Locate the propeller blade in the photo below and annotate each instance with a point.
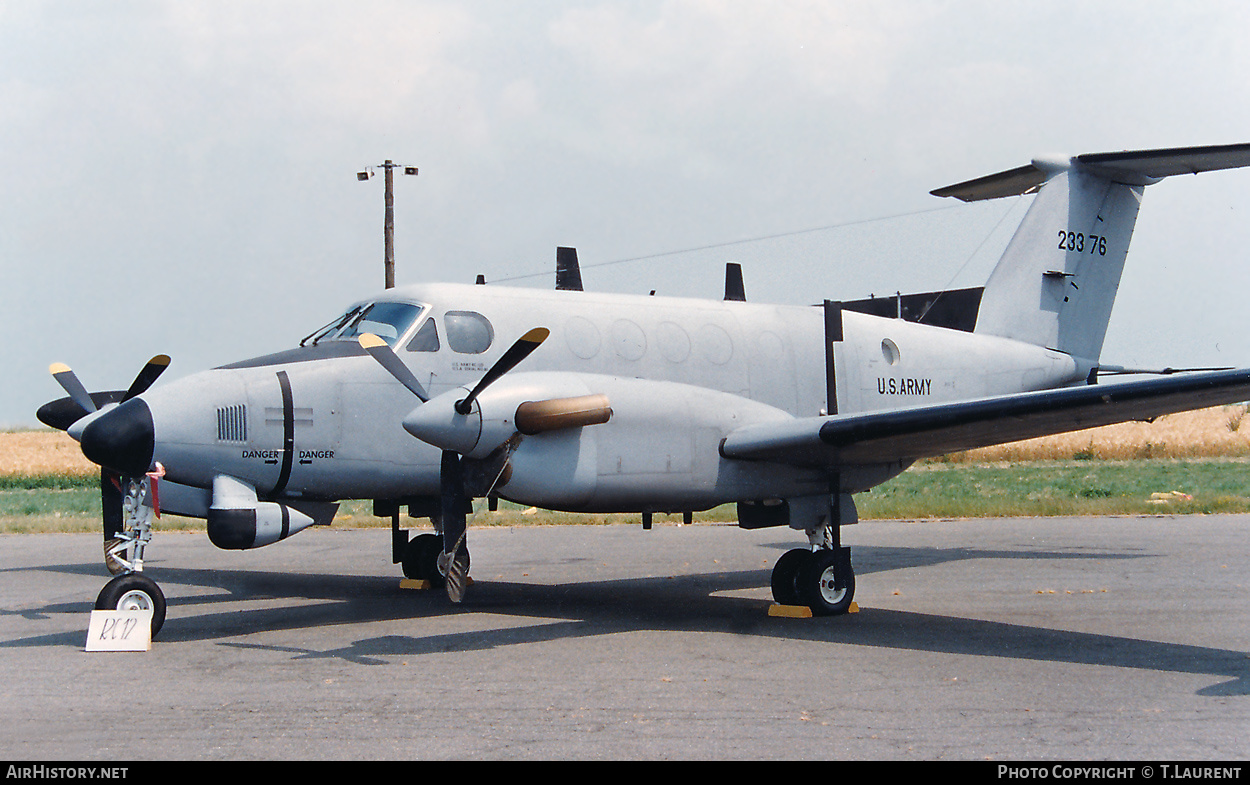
(524, 346)
(455, 557)
(379, 350)
(69, 381)
(111, 506)
(150, 373)
(64, 412)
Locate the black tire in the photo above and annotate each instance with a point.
(414, 559)
(430, 551)
(818, 588)
(134, 590)
(785, 578)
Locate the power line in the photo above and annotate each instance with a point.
(761, 238)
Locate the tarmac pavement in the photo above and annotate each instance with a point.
(1013, 639)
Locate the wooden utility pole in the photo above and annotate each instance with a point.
(388, 226)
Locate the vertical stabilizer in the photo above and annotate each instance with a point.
(1056, 283)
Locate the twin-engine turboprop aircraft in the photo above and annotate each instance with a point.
(430, 396)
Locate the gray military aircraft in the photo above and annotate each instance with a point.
(430, 396)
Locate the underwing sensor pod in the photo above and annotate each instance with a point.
(238, 520)
(433, 395)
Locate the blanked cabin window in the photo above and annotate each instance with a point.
(468, 332)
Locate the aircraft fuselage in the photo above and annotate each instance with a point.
(324, 421)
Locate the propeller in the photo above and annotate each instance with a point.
(454, 497)
(380, 350)
(64, 412)
(523, 348)
(147, 376)
(114, 436)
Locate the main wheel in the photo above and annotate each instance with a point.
(820, 588)
(133, 591)
(785, 578)
(430, 551)
(417, 560)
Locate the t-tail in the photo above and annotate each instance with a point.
(1056, 283)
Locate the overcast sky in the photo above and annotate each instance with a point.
(179, 177)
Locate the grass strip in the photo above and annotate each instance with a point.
(936, 489)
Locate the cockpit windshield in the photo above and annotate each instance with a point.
(387, 320)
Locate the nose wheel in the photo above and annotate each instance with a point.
(133, 591)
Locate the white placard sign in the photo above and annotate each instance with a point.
(120, 631)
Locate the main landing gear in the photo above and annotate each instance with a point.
(421, 560)
(123, 553)
(820, 577)
(422, 557)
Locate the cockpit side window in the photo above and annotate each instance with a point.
(468, 332)
(426, 339)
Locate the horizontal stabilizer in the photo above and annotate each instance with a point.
(1013, 182)
(1139, 167)
(1157, 164)
(929, 431)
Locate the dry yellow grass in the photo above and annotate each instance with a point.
(1207, 433)
(38, 453)
(1217, 432)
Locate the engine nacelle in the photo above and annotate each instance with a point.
(238, 520)
(658, 450)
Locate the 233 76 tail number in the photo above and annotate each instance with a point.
(1080, 242)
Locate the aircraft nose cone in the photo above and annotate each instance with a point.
(122, 439)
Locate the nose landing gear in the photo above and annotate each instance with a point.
(130, 589)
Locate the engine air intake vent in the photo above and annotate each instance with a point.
(232, 423)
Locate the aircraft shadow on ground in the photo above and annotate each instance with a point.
(681, 603)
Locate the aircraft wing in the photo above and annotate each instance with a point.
(928, 431)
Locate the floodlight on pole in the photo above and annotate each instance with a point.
(388, 227)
